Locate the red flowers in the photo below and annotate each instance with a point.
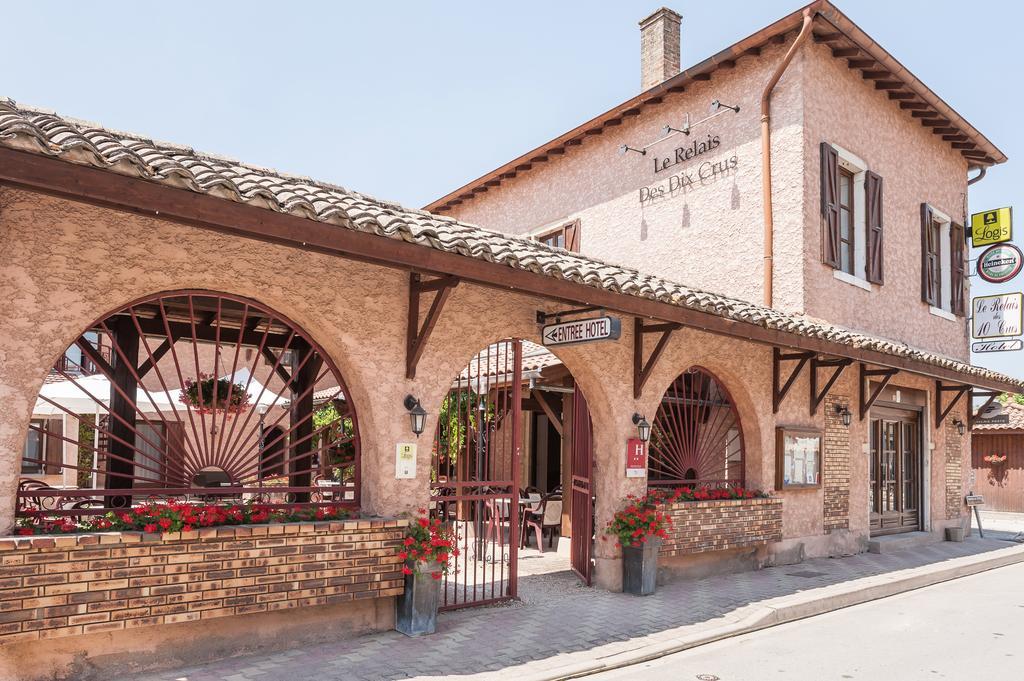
(427, 541)
(644, 517)
(177, 516)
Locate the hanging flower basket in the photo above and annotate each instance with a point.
(210, 394)
(995, 459)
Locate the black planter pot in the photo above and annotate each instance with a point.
(416, 609)
(640, 567)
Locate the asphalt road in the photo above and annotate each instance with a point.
(968, 628)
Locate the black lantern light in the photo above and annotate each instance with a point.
(417, 414)
(845, 413)
(960, 427)
(643, 427)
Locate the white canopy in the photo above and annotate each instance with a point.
(91, 394)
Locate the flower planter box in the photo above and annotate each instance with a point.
(703, 526)
(66, 585)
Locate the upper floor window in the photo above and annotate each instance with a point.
(942, 262)
(567, 236)
(851, 206)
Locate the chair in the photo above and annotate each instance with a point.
(548, 517)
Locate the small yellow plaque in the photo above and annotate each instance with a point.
(992, 226)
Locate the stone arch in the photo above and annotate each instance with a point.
(698, 432)
(150, 440)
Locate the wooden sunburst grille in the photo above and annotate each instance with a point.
(190, 394)
(696, 437)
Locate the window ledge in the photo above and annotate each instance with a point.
(852, 280)
(939, 312)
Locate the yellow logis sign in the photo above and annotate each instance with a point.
(992, 226)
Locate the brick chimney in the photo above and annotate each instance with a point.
(659, 47)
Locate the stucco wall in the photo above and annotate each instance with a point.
(67, 264)
(711, 236)
(842, 108)
(708, 235)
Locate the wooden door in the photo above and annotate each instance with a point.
(895, 492)
(582, 508)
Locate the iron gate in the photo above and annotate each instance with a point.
(581, 509)
(475, 476)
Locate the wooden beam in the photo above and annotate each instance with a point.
(161, 350)
(841, 52)
(556, 421)
(278, 365)
(915, 105)
(972, 415)
(641, 369)
(868, 397)
(888, 84)
(936, 122)
(942, 412)
(827, 37)
(901, 95)
(90, 351)
(838, 366)
(875, 74)
(228, 336)
(778, 357)
(417, 335)
(133, 195)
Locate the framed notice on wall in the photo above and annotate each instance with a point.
(797, 458)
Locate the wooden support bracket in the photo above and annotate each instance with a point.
(778, 357)
(868, 396)
(972, 415)
(838, 366)
(548, 410)
(90, 351)
(278, 365)
(641, 369)
(158, 353)
(942, 412)
(416, 334)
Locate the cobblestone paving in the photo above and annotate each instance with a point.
(556, 622)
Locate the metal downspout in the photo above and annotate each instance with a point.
(981, 173)
(766, 157)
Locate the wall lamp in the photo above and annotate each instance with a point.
(643, 427)
(845, 413)
(625, 147)
(717, 105)
(960, 427)
(417, 414)
(668, 130)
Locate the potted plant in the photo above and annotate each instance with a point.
(424, 553)
(640, 528)
(208, 394)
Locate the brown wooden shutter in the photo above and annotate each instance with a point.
(929, 287)
(956, 269)
(54, 454)
(873, 210)
(572, 236)
(830, 205)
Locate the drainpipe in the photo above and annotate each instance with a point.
(766, 156)
(981, 173)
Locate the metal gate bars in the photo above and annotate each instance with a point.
(475, 475)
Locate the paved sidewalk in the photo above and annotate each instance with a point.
(561, 629)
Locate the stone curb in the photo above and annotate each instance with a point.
(790, 608)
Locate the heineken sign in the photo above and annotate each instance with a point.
(581, 331)
(1000, 263)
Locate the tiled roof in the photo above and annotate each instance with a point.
(74, 141)
(1014, 411)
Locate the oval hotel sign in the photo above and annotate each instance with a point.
(1000, 263)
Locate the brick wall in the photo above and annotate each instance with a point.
(700, 526)
(836, 466)
(79, 584)
(954, 470)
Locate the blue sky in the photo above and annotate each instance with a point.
(409, 100)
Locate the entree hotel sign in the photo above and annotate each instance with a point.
(581, 331)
